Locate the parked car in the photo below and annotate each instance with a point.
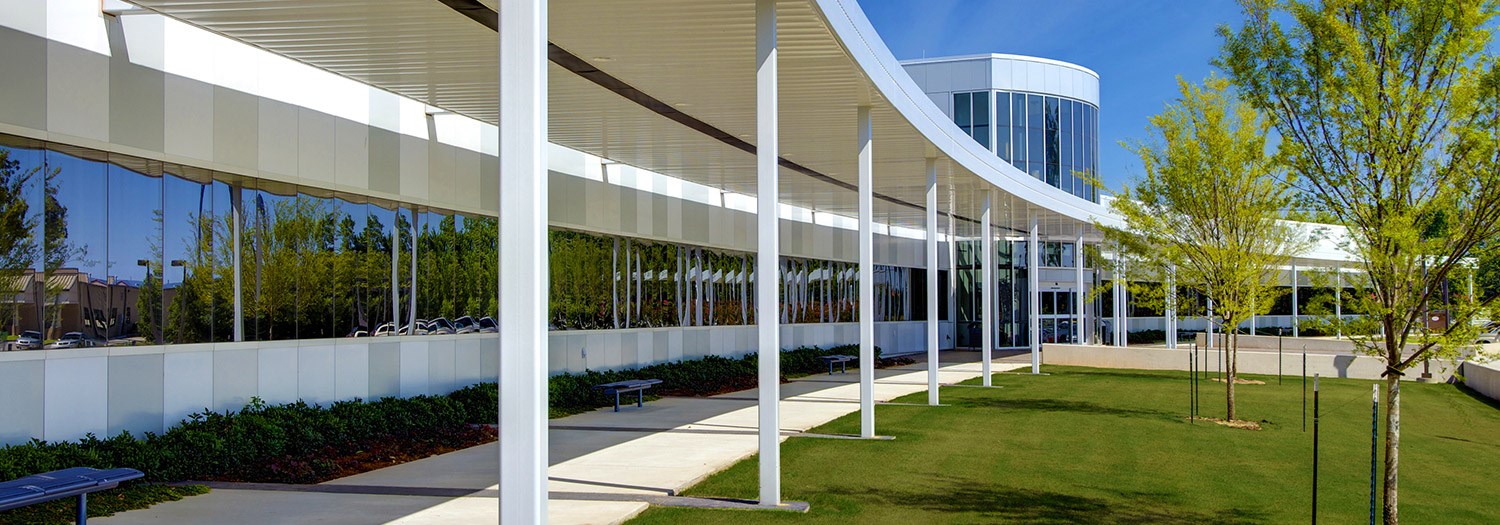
(358, 331)
(28, 340)
(465, 325)
(487, 325)
(440, 326)
(73, 340)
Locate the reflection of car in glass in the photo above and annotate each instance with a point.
(1490, 334)
(465, 325)
(385, 330)
(73, 340)
(29, 340)
(487, 325)
(440, 326)
(421, 328)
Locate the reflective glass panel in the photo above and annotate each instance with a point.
(21, 181)
(76, 293)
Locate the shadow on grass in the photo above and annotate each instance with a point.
(1013, 504)
(1056, 405)
(1478, 396)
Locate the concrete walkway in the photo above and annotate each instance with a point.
(605, 466)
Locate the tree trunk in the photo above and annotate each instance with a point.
(1392, 444)
(1232, 341)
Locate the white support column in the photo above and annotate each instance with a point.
(768, 252)
(952, 267)
(237, 208)
(1296, 317)
(986, 288)
(932, 283)
(1210, 342)
(1338, 300)
(523, 261)
(1171, 310)
(1034, 296)
(1118, 300)
(1078, 288)
(866, 274)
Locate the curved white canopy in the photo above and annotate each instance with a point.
(668, 86)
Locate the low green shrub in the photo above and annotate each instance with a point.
(291, 443)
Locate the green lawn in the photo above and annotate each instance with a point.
(1087, 445)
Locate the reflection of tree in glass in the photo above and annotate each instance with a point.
(17, 246)
(148, 301)
(57, 251)
(203, 300)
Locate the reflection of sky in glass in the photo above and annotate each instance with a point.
(185, 200)
(81, 190)
(132, 227)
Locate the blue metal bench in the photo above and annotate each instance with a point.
(842, 360)
(58, 484)
(638, 386)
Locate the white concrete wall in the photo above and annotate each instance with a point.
(1483, 378)
(1257, 362)
(66, 394)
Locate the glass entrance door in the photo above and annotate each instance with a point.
(1059, 322)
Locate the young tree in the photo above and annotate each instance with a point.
(1208, 210)
(1388, 111)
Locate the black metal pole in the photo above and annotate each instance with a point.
(1304, 391)
(1315, 452)
(1192, 406)
(1374, 425)
(1196, 369)
(1279, 334)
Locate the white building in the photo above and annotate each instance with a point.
(300, 176)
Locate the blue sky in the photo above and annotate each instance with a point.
(1137, 47)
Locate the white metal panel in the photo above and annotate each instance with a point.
(414, 364)
(317, 372)
(351, 371)
(316, 149)
(75, 396)
(278, 374)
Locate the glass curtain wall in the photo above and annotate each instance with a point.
(103, 249)
(1009, 294)
(1054, 139)
(971, 111)
(614, 282)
